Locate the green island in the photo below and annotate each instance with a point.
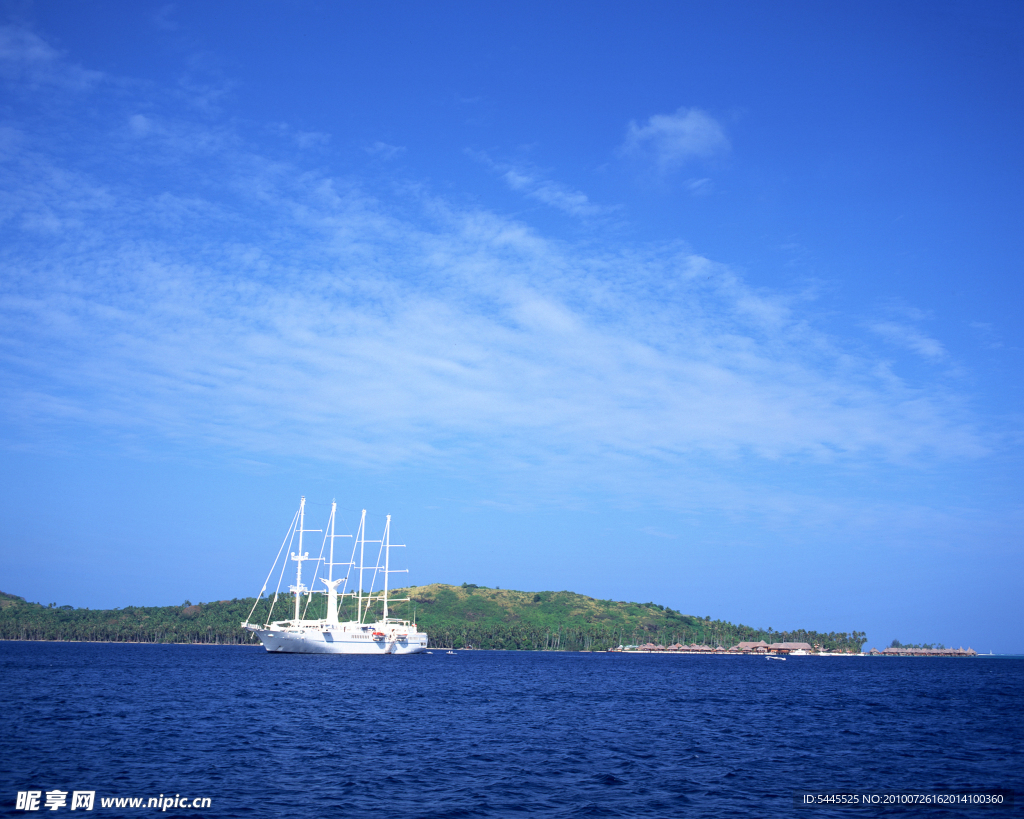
(454, 617)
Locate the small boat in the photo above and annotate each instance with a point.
(449, 652)
(775, 657)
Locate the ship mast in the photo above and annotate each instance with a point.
(332, 584)
(388, 546)
(362, 547)
(298, 588)
(330, 566)
(387, 552)
(329, 581)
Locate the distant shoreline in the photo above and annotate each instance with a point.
(462, 616)
(518, 651)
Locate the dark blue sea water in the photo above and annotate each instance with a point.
(495, 734)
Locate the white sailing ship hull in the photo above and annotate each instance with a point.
(339, 641)
(386, 635)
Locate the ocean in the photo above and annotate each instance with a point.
(497, 734)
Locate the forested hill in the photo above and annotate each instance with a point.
(453, 616)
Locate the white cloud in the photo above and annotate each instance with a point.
(31, 62)
(140, 125)
(672, 140)
(385, 151)
(699, 186)
(987, 334)
(910, 338)
(555, 194)
(275, 310)
(311, 139)
(162, 19)
(346, 332)
(534, 185)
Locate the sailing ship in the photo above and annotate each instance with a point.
(367, 633)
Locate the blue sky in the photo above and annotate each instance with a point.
(715, 307)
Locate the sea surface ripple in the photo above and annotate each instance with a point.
(500, 734)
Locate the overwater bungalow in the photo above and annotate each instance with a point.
(904, 651)
(749, 647)
(790, 648)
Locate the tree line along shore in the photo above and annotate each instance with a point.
(454, 616)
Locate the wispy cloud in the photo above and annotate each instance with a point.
(271, 308)
(352, 333)
(573, 202)
(910, 338)
(163, 18)
(699, 186)
(536, 186)
(29, 62)
(987, 334)
(311, 139)
(672, 140)
(383, 150)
